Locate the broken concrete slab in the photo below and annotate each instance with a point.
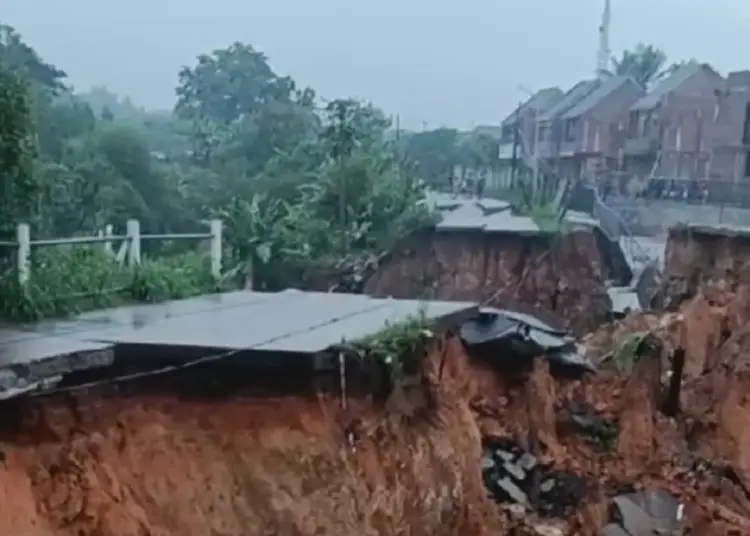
(31, 361)
(613, 529)
(512, 477)
(523, 337)
(648, 512)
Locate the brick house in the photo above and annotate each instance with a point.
(580, 134)
(524, 119)
(728, 130)
(695, 124)
(669, 131)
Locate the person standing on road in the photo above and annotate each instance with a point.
(480, 183)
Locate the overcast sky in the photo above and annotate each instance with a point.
(433, 62)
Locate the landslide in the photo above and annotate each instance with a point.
(562, 274)
(150, 459)
(706, 286)
(700, 453)
(695, 256)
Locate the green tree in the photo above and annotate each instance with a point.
(23, 60)
(17, 152)
(236, 90)
(435, 153)
(233, 82)
(60, 120)
(646, 64)
(337, 196)
(478, 151)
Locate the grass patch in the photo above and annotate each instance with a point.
(69, 280)
(541, 207)
(401, 346)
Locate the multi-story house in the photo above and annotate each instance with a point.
(519, 127)
(694, 124)
(579, 136)
(668, 133)
(728, 130)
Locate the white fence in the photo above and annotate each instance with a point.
(129, 250)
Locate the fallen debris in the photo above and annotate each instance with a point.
(523, 337)
(508, 470)
(645, 513)
(598, 431)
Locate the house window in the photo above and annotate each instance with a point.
(570, 129)
(543, 133)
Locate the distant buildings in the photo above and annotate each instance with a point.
(694, 124)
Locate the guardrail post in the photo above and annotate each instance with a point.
(133, 232)
(23, 237)
(108, 233)
(216, 248)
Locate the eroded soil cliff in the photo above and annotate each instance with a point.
(563, 274)
(695, 256)
(140, 461)
(103, 463)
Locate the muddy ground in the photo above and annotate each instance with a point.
(145, 459)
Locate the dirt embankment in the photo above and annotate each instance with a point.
(707, 288)
(698, 453)
(564, 275)
(146, 463)
(109, 464)
(695, 256)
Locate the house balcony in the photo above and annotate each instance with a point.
(642, 146)
(505, 151)
(569, 148)
(547, 149)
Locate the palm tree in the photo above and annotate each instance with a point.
(645, 64)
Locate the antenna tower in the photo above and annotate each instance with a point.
(604, 53)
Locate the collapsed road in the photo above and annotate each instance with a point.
(482, 250)
(509, 425)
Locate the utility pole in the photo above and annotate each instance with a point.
(535, 149)
(516, 141)
(535, 156)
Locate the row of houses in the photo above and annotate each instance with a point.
(694, 124)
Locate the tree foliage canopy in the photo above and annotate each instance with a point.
(646, 64)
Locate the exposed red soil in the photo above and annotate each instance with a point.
(95, 464)
(562, 274)
(713, 426)
(114, 465)
(694, 257)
